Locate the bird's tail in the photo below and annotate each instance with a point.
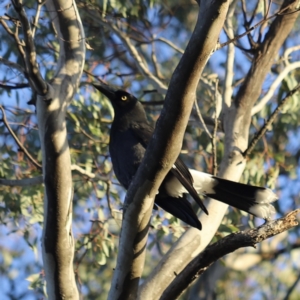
(252, 199)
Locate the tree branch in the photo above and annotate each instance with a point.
(12, 65)
(264, 100)
(57, 239)
(90, 174)
(203, 124)
(271, 119)
(290, 50)
(214, 135)
(169, 43)
(39, 179)
(15, 36)
(171, 126)
(225, 246)
(229, 67)
(236, 127)
(14, 87)
(282, 12)
(32, 68)
(249, 91)
(143, 68)
(292, 288)
(37, 16)
(21, 146)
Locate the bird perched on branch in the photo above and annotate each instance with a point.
(129, 136)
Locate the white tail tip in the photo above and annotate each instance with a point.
(264, 210)
(265, 196)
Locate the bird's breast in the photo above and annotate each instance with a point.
(126, 155)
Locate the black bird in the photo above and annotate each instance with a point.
(129, 136)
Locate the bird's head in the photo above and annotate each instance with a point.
(121, 100)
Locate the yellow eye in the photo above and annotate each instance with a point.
(124, 98)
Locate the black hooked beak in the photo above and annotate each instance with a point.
(106, 90)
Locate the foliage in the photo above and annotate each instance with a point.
(97, 194)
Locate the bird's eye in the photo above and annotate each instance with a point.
(124, 98)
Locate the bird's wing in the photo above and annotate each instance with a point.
(181, 208)
(143, 132)
(182, 173)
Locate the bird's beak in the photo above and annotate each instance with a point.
(106, 90)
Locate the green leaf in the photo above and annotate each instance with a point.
(102, 260)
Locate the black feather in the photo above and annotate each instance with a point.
(180, 208)
(239, 195)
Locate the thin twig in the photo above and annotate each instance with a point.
(292, 287)
(108, 184)
(271, 119)
(201, 119)
(139, 60)
(248, 23)
(21, 146)
(39, 179)
(32, 67)
(37, 16)
(267, 6)
(281, 12)
(90, 137)
(14, 87)
(214, 136)
(163, 40)
(154, 61)
(15, 36)
(290, 50)
(264, 100)
(208, 122)
(169, 43)
(244, 12)
(90, 174)
(229, 74)
(12, 65)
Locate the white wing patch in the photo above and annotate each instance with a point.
(174, 188)
(203, 183)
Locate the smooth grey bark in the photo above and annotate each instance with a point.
(57, 239)
(165, 144)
